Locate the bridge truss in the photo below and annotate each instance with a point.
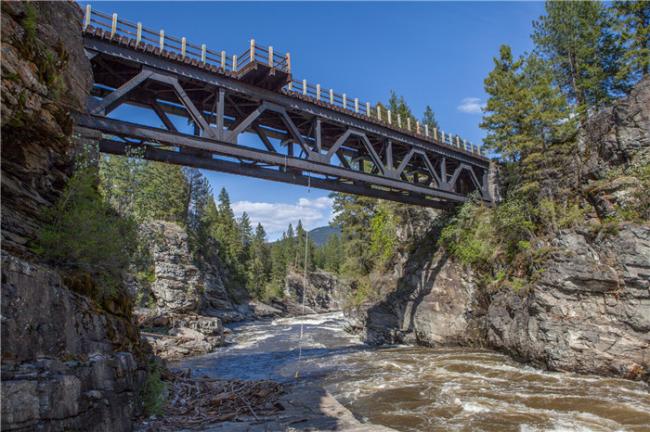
(249, 121)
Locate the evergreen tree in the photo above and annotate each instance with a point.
(162, 193)
(527, 121)
(199, 194)
(632, 23)
(353, 215)
(576, 38)
(259, 265)
(245, 236)
(429, 119)
(397, 105)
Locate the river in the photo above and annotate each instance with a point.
(423, 389)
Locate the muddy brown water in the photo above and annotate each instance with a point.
(425, 389)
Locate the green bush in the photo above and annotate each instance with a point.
(83, 233)
(154, 392)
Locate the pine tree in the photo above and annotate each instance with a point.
(429, 119)
(397, 105)
(576, 38)
(632, 23)
(259, 265)
(528, 122)
(353, 215)
(199, 193)
(162, 193)
(246, 236)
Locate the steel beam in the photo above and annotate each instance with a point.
(146, 133)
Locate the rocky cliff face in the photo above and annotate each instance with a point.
(323, 291)
(65, 365)
(68, 363)
(183, 306)
(45, 78)
(587, 313)
(183, 282)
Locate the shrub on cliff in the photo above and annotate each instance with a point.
(84, 234)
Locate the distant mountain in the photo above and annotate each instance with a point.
(320, 235)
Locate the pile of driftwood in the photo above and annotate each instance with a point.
(196, 402)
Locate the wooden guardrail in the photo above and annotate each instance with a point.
(120, 27)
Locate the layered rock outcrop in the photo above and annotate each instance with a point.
(322, 291)
(590, 310)
(65, 364)
(45, 79)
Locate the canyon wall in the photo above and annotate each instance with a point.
(589, 311)
(68, 362)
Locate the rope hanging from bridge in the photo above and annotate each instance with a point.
(304, 294)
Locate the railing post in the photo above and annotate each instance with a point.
(457, 140)
(317, 92)
(223, 61)
(183, 46)
(379, 112)
(426, 130)
(399, 121)
(442, 136)
(162, 40)
(435, 134)
(270, 56)
(288, 56)
(234, 63)
(114, 25)
(417, 127)
(356, 105)
(390, 118)
(138, 34)
(368, 109)
(408, 123)
(332, 96)
(252, 51)
(304, 87)
(204, 50)
(345, 101)
(87, 17)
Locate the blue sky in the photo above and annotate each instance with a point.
(435, 53)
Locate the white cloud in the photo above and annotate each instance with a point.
(471, 105)
(275, 217)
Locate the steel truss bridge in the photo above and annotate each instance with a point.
(245, 114)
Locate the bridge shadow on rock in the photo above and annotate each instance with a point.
(392, 319)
